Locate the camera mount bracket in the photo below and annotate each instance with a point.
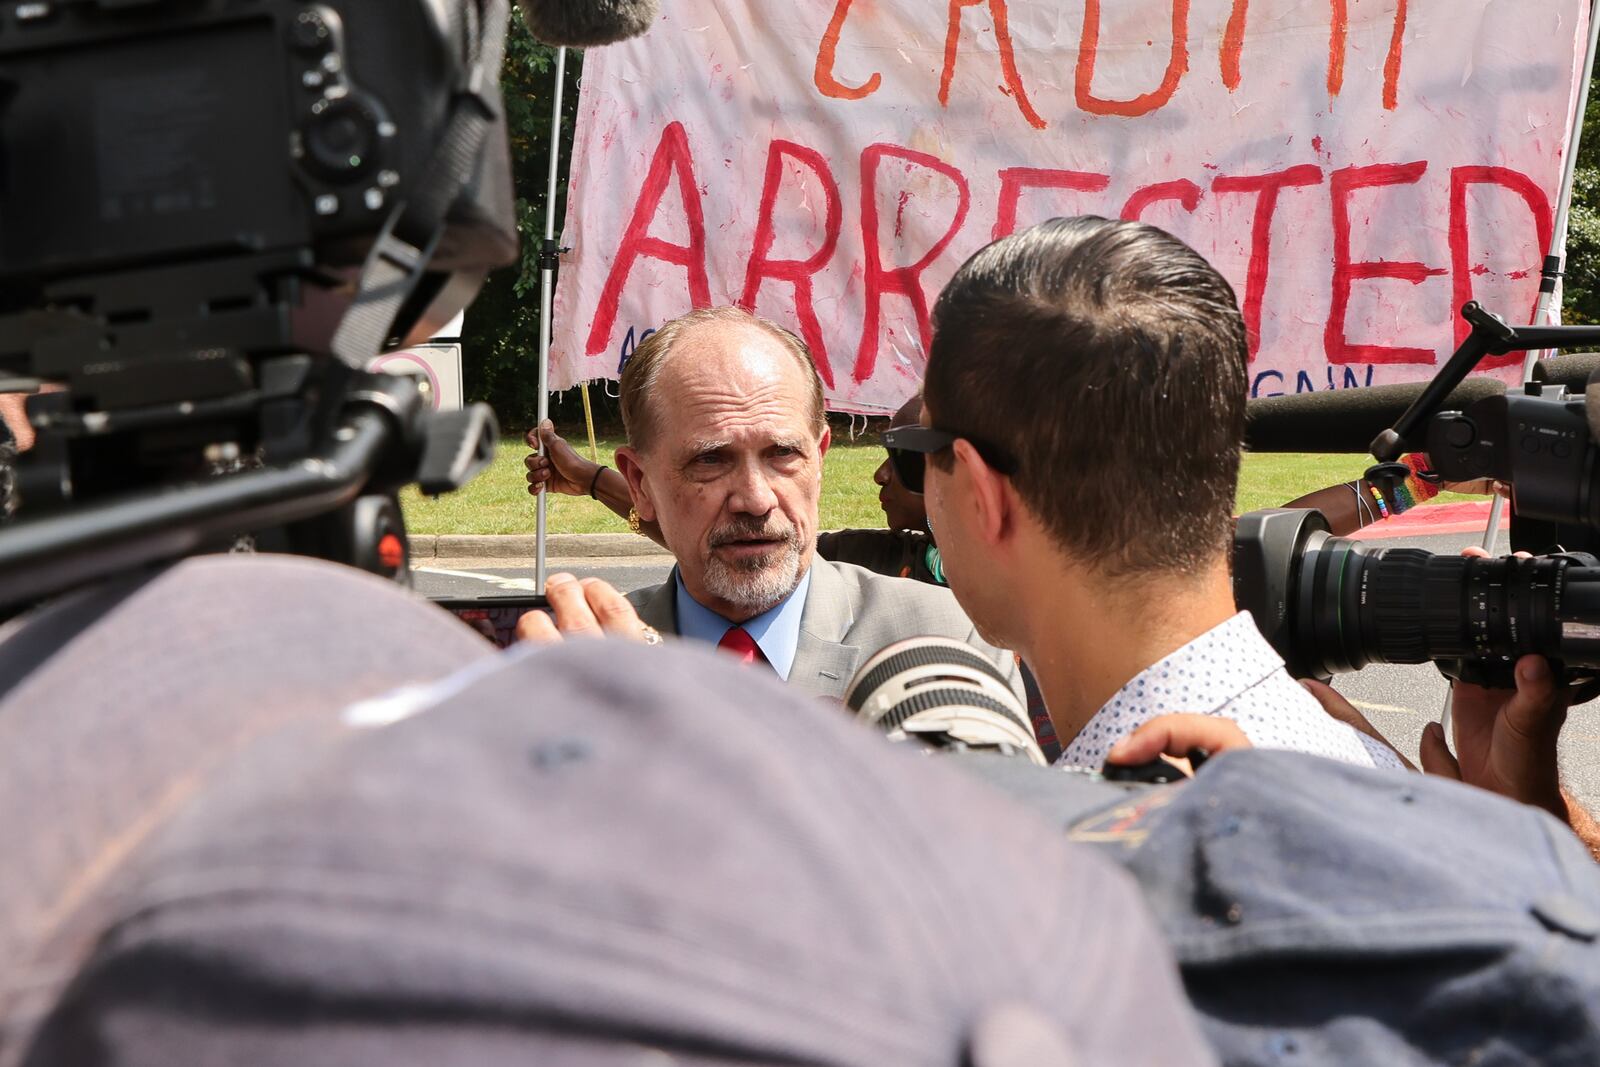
(1490, 336)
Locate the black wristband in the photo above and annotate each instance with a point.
(596, 481)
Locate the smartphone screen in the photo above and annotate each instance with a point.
(495, 617)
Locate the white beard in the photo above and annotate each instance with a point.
(756, 585)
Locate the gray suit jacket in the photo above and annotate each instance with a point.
(850, 613)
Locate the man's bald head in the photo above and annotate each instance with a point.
(726, 438)
(642, 374)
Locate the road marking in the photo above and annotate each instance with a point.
(1368, 706)
(510, 585)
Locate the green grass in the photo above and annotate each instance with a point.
(1270, 480)
(497, 501)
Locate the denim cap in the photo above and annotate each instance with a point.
(120, 703)
(1324, 913)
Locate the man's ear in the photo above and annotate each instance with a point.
(824, 441)
(630, 468)
(987, 492)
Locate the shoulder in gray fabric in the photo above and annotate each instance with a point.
(602, 850)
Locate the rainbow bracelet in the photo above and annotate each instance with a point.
(1416, 489)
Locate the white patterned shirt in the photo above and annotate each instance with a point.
(1230, 671)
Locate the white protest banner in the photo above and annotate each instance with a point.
(1357, 168)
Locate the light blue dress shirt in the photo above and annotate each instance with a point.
(776, 631)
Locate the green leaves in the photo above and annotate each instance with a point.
(1581, 293)
(1581, 287)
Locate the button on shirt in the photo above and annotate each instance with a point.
(1230, 671)
(776, 630)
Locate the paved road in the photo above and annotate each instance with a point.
(1398, 700)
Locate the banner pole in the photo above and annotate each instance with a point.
(549, 255)
(1546, 311)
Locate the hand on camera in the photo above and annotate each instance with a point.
(1505, 740)
(1173, 737)
(587, 608)
(559, 467)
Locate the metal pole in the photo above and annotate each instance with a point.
(1557, 254)
(1545, 311)
(548, 254)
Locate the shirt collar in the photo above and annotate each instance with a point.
(1182, 682)
(776, 631)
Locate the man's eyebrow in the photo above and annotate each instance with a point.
(702, 446)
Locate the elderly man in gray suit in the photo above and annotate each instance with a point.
(726, 434)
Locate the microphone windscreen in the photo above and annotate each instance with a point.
(587, 23)
(1571, 370)
(1344, 420)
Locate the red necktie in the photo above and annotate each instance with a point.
(738, 642)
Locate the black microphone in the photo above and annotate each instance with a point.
(1344, 420)
(587, 23)
(1570, 370)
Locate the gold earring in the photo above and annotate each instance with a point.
(634, 522)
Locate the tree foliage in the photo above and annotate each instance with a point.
(1581, 296)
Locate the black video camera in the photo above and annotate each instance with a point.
(213, 214)
(1329, 604)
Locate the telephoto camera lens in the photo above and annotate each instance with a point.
(1332, 605)
(941, 693)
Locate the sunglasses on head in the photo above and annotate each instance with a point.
(910, 446)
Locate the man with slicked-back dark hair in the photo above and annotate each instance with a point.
(1082, 425)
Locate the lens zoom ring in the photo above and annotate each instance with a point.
(946, 698)
(921, 656)
(1444, 619)
(1413, 597)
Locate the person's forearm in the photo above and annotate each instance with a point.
(1583, 824)
(1345, 510)
(611, 489)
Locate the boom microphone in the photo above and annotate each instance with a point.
(586, 23)
(1344, 420)
(1571, 370)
